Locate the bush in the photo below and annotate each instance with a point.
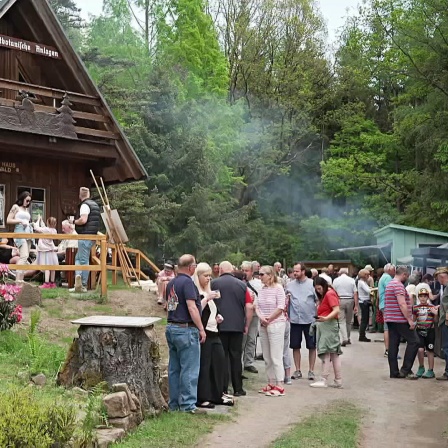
(26, 421)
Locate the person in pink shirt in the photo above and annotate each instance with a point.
(270, 306)
(163, 278)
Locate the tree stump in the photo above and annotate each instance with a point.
(116, 350)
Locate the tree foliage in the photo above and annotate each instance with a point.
(258, 142)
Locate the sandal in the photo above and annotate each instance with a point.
(227, 401)
(206, 405)
(266, 389)
(276, 391)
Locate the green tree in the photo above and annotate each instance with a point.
(188, 48)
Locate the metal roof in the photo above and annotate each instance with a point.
(411, 229)
(362, 248)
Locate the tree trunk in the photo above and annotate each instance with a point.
(116, 355)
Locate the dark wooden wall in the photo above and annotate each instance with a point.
(61, 180)
(8, 62)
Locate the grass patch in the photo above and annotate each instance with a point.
(17, 351)
(121, 284)
(337, 426)
(55, 293)
(106, 309)
(172, 429)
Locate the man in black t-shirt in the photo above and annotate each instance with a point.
(184, 333)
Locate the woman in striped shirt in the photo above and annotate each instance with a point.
(269, 307)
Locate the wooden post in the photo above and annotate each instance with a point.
(137, 263)
(103, 257)
(114, 264)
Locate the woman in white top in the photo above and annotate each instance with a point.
(213, 361)
(364, 303)
(20, 217)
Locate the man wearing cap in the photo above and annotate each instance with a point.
(398, 315)
(163, 278)
(442, 277)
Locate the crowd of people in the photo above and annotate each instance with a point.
(19, 250)
(216, 313)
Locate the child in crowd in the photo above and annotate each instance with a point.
(425, 315)
(46, 249)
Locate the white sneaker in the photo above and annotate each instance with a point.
(319, 384)
(78, 283)
(337, 384)
(83, 290)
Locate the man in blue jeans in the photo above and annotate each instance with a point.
(87, 222)
(442, 277)
(184, 334)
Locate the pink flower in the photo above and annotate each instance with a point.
(17, 313)
(3, 268)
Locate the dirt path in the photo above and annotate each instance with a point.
(398, 413)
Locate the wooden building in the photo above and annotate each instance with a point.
(402, 240)
(337, 264)
(55, 126)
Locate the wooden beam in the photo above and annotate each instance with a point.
(154, 267)
(96, 133)
(49, 92)
(54, 236)
(53, 267)
(103, 255)
(51, 110)
(61, 147)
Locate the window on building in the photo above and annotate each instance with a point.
(38, 201)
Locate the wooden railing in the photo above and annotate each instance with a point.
(57, 95)
(101, 267)
(99, 264)
(139, 258)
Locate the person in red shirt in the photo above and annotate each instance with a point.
(327, 326)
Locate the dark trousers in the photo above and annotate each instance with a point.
(232, 343)
(365, 310)
(396, 332)
(374, 326)
(445, 345)
(212, 371)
